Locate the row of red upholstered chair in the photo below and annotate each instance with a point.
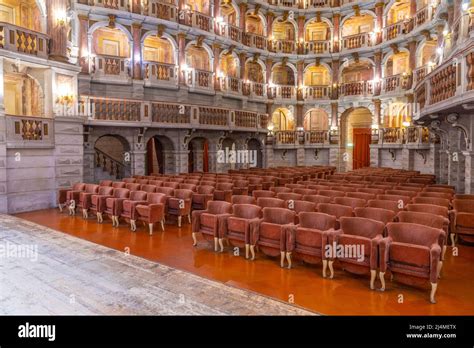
(277, 231)
(130, 201)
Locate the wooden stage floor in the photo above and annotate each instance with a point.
(303, 285)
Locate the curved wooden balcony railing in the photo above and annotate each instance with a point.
(282, 92)
(358, 88)
(19, 39)
(161, 9)
(356, 41)
(396, 83)
(156, 72)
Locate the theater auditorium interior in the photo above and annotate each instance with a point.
(237, 157)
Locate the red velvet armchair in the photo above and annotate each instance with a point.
(96, 204)
(204, 194)
(66, 195)
(151, 212)
(270, 237)
(223, 192)
(307, 241)
(85, 198)
(240, 187)
(240, 225)
(127, 208)
(412, 253)
(361, 237)
(462, 220)
(210, 221)
(180, 204)
(114, 203)
(241, 199)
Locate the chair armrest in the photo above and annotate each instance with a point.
(196, 219)
(118, 207)
(157, 212)
(384, 252)
(435, 257)
(255, 232)
(333, 235)
(133, 208)
(374, 251)
(291, 238)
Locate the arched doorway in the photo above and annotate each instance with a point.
(112, 157)
(255, 145)
(198, 155)
(159, 155)
(357, 134)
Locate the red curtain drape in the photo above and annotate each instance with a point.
(205, 157)
(150, 146)
(362, 139)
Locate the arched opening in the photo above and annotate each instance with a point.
(229, 148)
(317, 75)
(283, 30)
(317, 31)
(356, 134)
(427, 53)
(158, 49)
(255, 146)
(283, 75)
(283, 120)
(228, 13)
(201, 6)
(23, 13)
(198, 156)
(229, 65)
(254, 24)
(316, 120)
(159, 155)
(355, 31)
(254, 72)
(23, 94)
(396, 115)
(397, 64)
(198, 58)
(110, 42)
(112, 157)
(356, 25)
(111, 52)
(357, 79)
(399, 11)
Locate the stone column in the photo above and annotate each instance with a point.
(335, 78)
(137, 50)
(299, 115)
(57, 30)
(136, 6)
(242, 59)
(138, 160)
(269, 65)
(378, 112)
(413, 9)
(300, 39)
(378, 72)
(182, 57)
(334, 107)
(3, 147)
(270, 17)
(412, 60)
(336, 19)
(300, 81)
(216, 13)
(84, 54)
(242, 20)
(216, 49)
(379, 21)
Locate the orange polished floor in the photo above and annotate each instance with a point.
(303, 285)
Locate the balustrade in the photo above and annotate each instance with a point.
(115, 110)
(443, 84)
(420, 73)
(423, 15)
(254, 40)
(111, 66)
(316, 137)
(170, 113)
(283, 92)
(122, 5)
(356, 41)
(231, 85)
(18, 39)
(162, 9)
(213, 116)
(394, 30)
(317, 47)
(198, 20)
(286, 137)
(317, 92)
(396, 83)
(282, 46)
(155, 72)
(109, 164)
(392, 136)
(201, 79)
(317, 3)
(356, 88)
(246, 119)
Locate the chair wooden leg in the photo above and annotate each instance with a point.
(85, 214)
(247, 250)
(150, 227)
(252, 252)
(373, 274)
(453, 239)
(282, 259)
(325, 266)
(221, 244)
(331, 269)
(60, 206)
(194, 239)
(179, 221)
(133, 225)
(288, 258)
(440, 267)
(434, 287)
(163, 225)
(216, 242)
(189, 218)
(100, 218)
(382, 280)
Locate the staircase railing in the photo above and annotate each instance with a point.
(109, 164)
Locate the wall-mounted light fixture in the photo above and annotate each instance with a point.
(61, 17)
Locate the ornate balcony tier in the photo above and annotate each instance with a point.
(111, 69)
(197, 20)
(160, 74)
(282, 92)
(161, 9)
(200, 80)
(396, 83)
(359, 88)
(28, 131)
(317, 92)
(119, 112)
(356, 41)
(410, 135)
(306, 138)
(21, 40)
